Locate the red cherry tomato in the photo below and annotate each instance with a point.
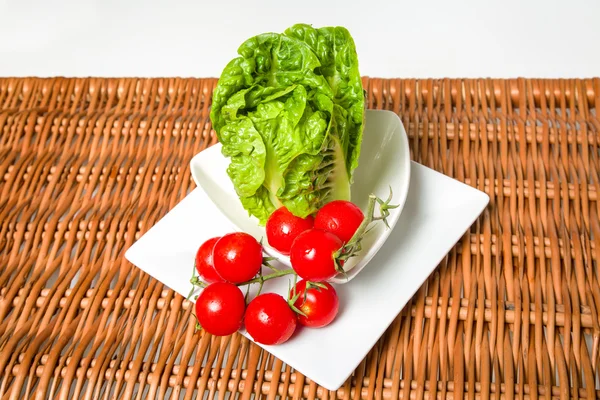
(204, 262)
(237, 257)
(320, 305)
(341, 218)
(269, 319)
(312, 255)
(283, 227)
(220, 308)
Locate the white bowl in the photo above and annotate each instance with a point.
(384, 162)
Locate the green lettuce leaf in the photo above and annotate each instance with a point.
(289, 114)
(259, 204)
(336, 51)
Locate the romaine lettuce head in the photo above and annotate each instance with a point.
(289, 113)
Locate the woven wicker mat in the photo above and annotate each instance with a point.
(88, 165)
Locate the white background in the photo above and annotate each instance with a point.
(394, 38)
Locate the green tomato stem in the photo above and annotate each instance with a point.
(263, 278)
(360, 231)
(259, 279)
(197, 282)
(353, 247)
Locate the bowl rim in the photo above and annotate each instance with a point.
(401, 201)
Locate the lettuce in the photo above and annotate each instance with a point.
(289, 113)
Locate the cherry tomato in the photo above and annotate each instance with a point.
(341, 218)
(312, 254)
(320, 305)
(237, 257)
(220, 308)
(269, 319)
(283, 227)
(204, 262)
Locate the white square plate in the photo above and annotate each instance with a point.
(437, 212)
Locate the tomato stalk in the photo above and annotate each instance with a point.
(354, 245)
(264, 278)
(197, 282)
(259, 279)
(293, 297)
(309, 285)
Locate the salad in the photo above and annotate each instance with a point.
(289, 112)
